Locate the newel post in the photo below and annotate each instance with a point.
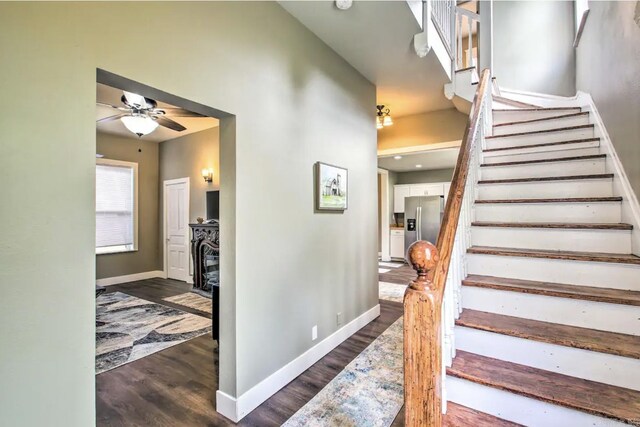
(422, 341)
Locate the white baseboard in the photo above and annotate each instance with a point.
(108, 281)
(237, 408)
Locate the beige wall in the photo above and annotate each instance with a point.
(533, 46)
(418, 177)
(145, 154)
(295, 102)
(421, 129)
(608, 67)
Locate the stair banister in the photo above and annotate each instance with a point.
(432, 300)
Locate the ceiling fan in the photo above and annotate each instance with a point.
(142, 116)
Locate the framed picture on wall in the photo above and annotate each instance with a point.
(331, 187)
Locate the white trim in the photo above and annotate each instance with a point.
(621, 185)
(417, 149)
(237, 408)
(134, 166)
(188, 278)
(385, 224)
(108, 281)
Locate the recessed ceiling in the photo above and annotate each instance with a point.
(429, 160)
(109, 95)
(376, 38)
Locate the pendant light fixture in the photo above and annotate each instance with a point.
(383, 117)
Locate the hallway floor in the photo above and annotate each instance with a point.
(177, 386)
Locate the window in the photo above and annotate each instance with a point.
(116, 206)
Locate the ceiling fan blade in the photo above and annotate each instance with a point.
(102, 104)
(135, 100)
(168, 123)
(179, 112)
(110, 118)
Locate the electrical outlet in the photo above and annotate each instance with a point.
(314, 333)
(339, 318)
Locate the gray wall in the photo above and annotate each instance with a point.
(608, 67)
(418, 177)
(283, 90)
(533, 46)
(186, 157)
(146, 257)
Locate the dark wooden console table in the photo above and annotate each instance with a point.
(205, 251)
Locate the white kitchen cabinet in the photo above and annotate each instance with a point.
(399, 193)
(396, 243)
(427, 189)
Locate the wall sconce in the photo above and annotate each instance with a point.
(207, 174)
(383, 117)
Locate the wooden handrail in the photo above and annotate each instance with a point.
(424, 297)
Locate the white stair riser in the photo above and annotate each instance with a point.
(599, 274)
(607, 241)
(589, 365)
(520, 409)
(547, 189)
(539, 138)
(624, 319)
(573, 167)
(602, 212)
(500, 117)
(542, 125)
(550, 152)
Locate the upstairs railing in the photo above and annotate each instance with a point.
(443, 14)
(432, 300)
(466, 23)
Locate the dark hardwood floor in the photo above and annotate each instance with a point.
(400, 275)
(176, 386)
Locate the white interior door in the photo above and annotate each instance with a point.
(176, 202)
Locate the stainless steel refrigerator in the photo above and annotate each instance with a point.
(422, 218)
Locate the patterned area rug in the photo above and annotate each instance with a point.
(192, 300)
(391, 291)
(368, 392)
(129, 328)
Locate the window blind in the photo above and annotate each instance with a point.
(114, 206)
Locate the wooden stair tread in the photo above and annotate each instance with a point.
(458, 416)
(589, 293)
(555, 200)
(563, 225)
(553, 333)
(562, 116)
(549, 254)
(547, 178)
(538, 109)
(557, 159)
(544, 144)
(588, 396)
(462, 416)
(533, 132)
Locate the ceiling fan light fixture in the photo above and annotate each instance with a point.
(140, 125)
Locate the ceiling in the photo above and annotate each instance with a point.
(433, 159)
(376, 38)
(109, 95)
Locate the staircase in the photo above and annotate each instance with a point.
(549, 332)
